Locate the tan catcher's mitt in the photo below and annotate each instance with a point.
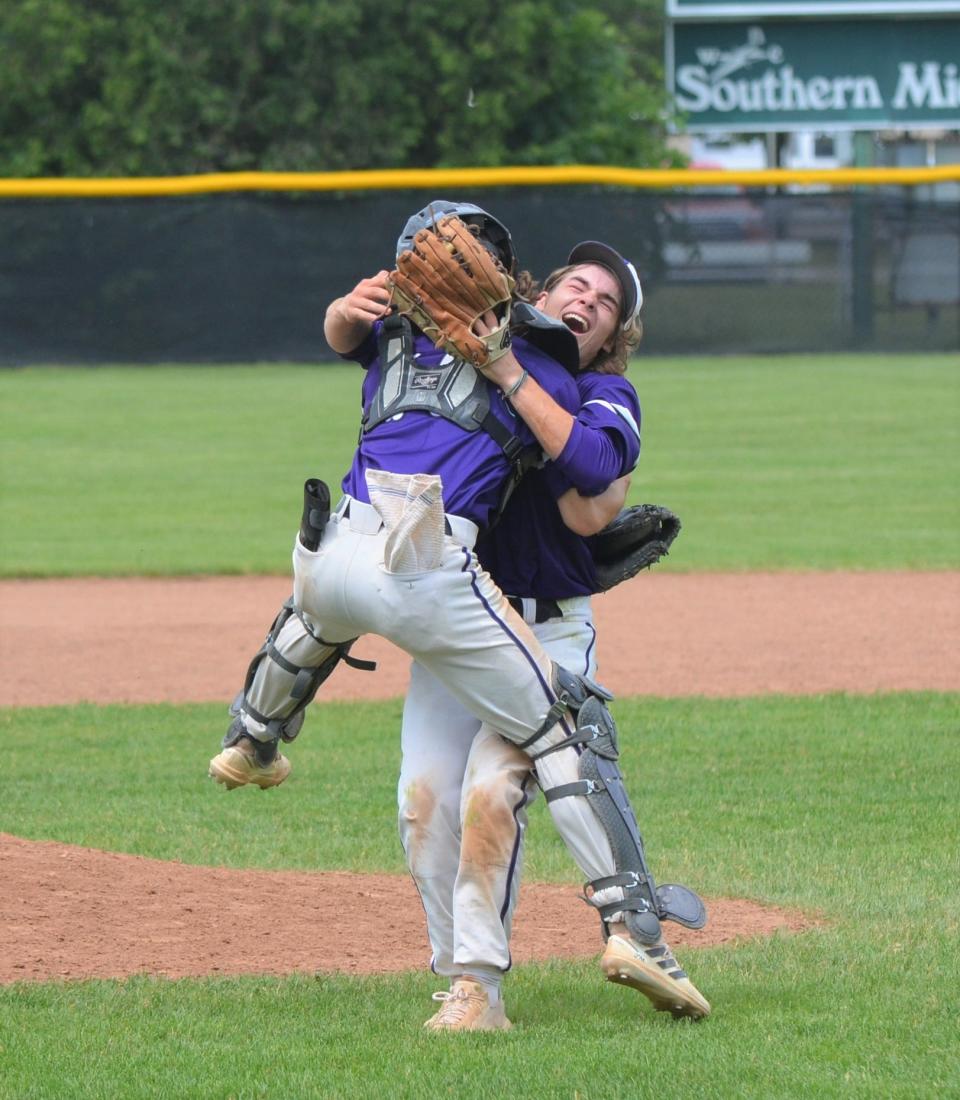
(445, 282)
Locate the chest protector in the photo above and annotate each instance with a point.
(455, 390)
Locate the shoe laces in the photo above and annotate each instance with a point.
(455, 1003)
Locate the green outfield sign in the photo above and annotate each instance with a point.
(836, 74)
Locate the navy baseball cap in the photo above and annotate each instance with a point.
(595, 252)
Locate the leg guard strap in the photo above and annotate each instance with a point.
(554, 714)
(589, 734)
(628, 879)
(287, 727)
(674, 902)
(356, 662)
(264, 751)
(583, 786)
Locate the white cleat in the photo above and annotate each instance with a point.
(467, 1008)
(656, 974)
(235, 767)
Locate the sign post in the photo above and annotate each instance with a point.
(861, 248)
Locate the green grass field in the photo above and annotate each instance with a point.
(841, 805)
(792, 463)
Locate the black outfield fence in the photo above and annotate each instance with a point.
(245, 277)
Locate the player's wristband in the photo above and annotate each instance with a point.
(516, 386)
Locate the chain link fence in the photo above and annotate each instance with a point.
(246, 277)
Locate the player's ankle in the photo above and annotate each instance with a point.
(490, 981)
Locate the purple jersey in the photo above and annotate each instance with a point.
(471, 465)
(531, 551)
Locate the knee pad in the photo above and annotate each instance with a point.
(588, 703)
(586, 700)
(291, 687)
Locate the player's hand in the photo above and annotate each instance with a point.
(368, 301)
(505, 370)
(350, 318)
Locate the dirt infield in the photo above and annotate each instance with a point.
(141, 641)
(69, 912)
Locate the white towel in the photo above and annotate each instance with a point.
(411, 507)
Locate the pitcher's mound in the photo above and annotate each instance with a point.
(72, 912)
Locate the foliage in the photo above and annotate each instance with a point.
(132, 87)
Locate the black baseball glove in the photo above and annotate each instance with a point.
(635, 539)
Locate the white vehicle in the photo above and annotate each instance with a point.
(807, 149)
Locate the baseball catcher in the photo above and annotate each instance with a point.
(455, 262)
(440, 376)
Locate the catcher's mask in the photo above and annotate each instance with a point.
(595, 252)
(492, 232)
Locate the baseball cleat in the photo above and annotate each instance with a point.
(235, 767)
(467, 1008)
(656, 974)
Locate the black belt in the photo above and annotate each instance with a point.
(546, 609)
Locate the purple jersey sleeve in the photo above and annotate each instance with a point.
(365, 352)
(605, 441)
(531, 552)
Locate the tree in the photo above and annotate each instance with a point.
(133, 87)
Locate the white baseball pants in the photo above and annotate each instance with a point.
(463, 797)
(456, 623)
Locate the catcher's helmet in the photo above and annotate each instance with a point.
(492, 232)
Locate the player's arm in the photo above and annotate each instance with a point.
(588, 515)
(610, 404)
(589, 456)
(549, 422)
(349, 319)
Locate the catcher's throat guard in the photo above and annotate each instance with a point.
(548, 334)
(644, 905)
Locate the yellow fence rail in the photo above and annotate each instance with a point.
(416, 178)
